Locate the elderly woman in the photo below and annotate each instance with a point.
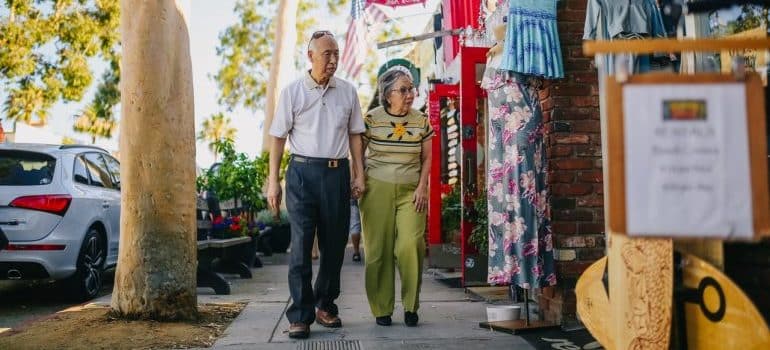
(398, 148)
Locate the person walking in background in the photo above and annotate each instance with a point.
(397, 140)
(355, 229)
(320, 116)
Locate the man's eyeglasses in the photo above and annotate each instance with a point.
(406, 90)
(320, 33)
(317, 35)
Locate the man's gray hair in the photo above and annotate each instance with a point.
(386, 83)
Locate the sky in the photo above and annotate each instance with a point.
(207, 19)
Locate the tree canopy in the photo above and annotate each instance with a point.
(217, 130)
(246, 48)
(46, 48)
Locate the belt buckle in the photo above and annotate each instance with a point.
(333, 163)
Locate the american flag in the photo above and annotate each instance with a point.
(356, 44)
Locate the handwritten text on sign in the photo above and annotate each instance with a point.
(687, 160)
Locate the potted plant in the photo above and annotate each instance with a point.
(278, 237)
(480, 233)
(451, 210)
(229, 227)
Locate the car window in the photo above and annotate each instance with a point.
(79, 173)
(100, 177)
(23, 168)
(113, 167)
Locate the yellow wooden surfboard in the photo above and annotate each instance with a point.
(726, 318)
(593, 303)
(718, 314)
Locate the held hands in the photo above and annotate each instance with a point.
(420, 198)
(358, 187)
(274, 195)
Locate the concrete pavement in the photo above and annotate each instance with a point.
(448, 317)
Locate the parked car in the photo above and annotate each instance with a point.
(60, 210)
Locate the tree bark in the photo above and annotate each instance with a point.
(156, 272)
(282, 62)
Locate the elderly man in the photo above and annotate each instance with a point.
(321, 117)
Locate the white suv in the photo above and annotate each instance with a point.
(60, 210)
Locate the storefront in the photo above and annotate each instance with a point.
(571, 121)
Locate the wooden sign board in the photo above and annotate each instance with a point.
(687, 157)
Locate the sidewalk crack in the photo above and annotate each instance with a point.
(278, 322)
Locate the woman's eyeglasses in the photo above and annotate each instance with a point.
(406, 90)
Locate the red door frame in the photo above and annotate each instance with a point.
(470, 94)
(467, 93)
(437, 92)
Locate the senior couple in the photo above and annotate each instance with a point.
(320, 116)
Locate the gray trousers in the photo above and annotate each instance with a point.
(318, 200)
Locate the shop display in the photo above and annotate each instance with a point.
(626, 20)
(520, 238)
(532, 43)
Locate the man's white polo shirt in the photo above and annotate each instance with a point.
(317, 119)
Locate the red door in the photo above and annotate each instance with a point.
(473, 109)
(443, 223)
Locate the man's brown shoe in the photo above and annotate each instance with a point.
(328, 320)
(299, 331)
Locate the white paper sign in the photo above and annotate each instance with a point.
(687, 161)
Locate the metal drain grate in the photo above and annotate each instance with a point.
(330, 345)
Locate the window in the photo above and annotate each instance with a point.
(100, 177)
(22, 168)
(79, 173)
(113, 167)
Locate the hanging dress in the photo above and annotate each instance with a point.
(624, 20)
(520, 238)
(532, 39)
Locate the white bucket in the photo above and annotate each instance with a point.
(497, 313)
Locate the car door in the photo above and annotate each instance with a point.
(105, 189)
(113, 167)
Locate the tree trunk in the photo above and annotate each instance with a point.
(156, 272)
(282, 62)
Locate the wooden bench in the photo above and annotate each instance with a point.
(221, 255)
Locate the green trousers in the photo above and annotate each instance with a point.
(394, 236)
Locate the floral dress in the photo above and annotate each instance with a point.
(520, 239)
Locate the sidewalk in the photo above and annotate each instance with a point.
(448, 318)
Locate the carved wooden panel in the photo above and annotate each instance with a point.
(641, 291)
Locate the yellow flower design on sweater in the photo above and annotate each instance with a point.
(399, 130)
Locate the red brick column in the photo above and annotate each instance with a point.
(571, 115)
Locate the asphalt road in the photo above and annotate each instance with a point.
(22, 302)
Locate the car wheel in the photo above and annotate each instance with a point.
(88, 279)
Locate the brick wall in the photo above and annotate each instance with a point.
(571, 114)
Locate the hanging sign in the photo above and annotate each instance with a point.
(688, 157)
(395, 3)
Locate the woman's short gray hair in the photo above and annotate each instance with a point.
(386, 83)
